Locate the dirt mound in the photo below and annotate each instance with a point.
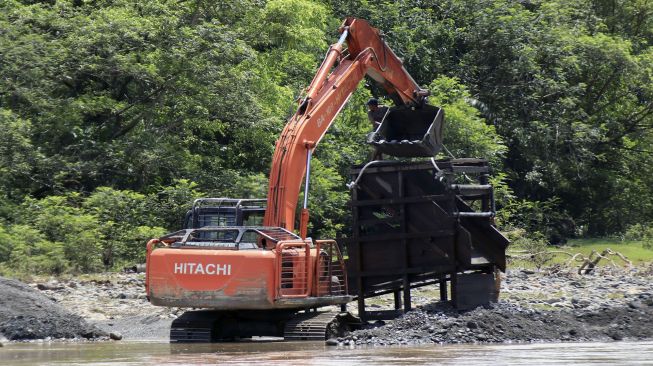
(26, 314)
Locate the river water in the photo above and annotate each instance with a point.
(316, 353)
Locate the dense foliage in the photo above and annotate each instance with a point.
(116, 114)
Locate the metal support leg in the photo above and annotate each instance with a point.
(443, 288)
(361, 306)
(407, 304)
(397, 295)
(454, 289)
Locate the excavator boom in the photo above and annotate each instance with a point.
(335, 81)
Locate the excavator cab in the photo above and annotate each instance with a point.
(225, 212)
(409, 131)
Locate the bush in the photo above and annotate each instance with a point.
(640, 232)
(122, 214)
(467, 133)
(73, 233)
(32, 253)
(60, 219)
(168, 205)
(535, 247)
(6, 244)
(130, 248)
(544, 217)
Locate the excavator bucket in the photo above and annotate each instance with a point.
(409, 132)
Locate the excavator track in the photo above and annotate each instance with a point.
(319, 326)
(193, 327)
(206, 326)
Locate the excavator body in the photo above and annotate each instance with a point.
(249, 268)
(253, 280)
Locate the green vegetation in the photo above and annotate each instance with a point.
(116, 114)
(642, 233)
(75, 233)
(541, 255)
(635, 251)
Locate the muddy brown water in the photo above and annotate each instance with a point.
(316, 353)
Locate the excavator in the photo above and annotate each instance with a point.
(269, 280)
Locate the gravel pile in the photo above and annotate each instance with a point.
(505, 322)
(554, 305)
(26, 314)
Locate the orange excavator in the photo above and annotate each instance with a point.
(267, 280)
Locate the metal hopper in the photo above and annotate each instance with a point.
(409, 132)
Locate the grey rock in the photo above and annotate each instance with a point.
(115, 336)
(49, 286)
(580, 304)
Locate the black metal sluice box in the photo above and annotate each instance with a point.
(417, 223)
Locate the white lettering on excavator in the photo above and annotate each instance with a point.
(199, 268)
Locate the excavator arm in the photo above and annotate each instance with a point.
(335, 81)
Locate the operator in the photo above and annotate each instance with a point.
(375, 112)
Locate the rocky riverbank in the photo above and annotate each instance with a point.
(548, 305)
(115, 303)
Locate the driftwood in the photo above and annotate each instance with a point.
(588, 263)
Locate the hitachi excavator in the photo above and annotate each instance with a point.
(267, 280)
